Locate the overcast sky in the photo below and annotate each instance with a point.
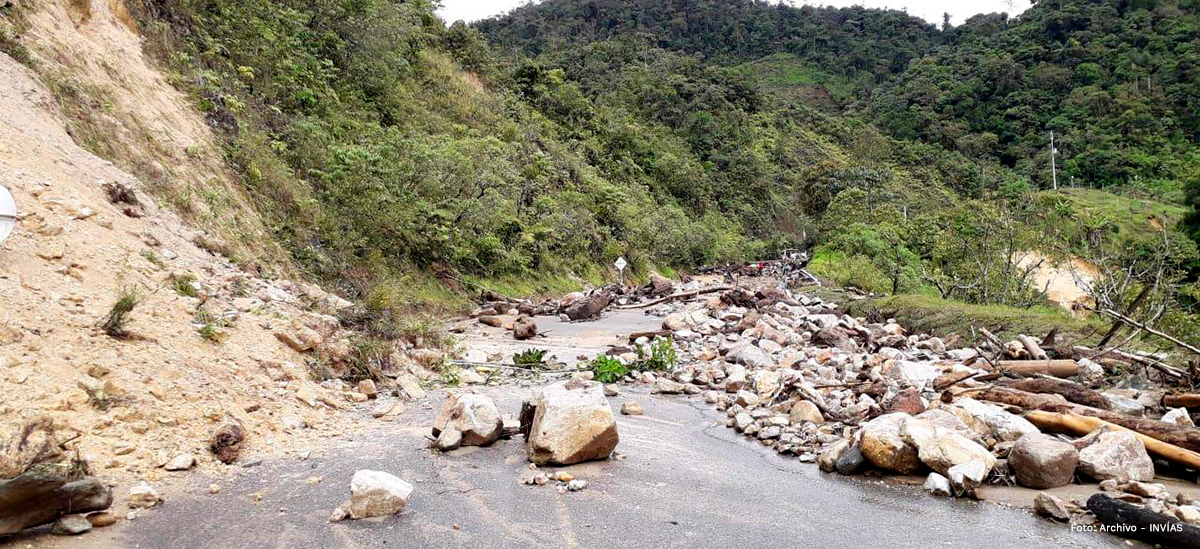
(931, 10)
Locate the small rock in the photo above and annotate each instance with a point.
(102, 519)
(377, 494)
(667, 387)
(907, 401)
(746, 399)
(803, 411)
(367, 388)
(850, 462)
(181, 462)
(631, 409)
(576, 485)
(448, 439)
(470, 377)
(937, 485)
(829, 457)
(1188, 513)
(143, 496)
(1051, 507)
(1179, 416)
(610, 390)
(1144, 489)
(71, 525)
(214, 489)
(966, 477)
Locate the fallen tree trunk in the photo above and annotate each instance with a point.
(1069, 390)
(1178, 435)
(1131, 521)
(33, 499)
(1031, 346)
(650, 334)
(1083, 425)
(1056, 368)
(674, 297)
(1185, 400)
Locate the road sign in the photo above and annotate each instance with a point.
(8, 213)
(621, 264)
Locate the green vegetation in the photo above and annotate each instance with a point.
(944, 317)
(114, 322)
(660, 356)
(606, 369)
(530, 358)
(182, 284)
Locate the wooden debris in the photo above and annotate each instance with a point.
(1137, 522)
(36, 498)
(650, 334)
(1056, 368)
(1035, 351)
(1069, 390)
(1189, 400)
(674, 297)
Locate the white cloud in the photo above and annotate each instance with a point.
(930, 10)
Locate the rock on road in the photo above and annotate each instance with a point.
(686, 481)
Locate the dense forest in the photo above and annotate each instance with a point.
(392, 153)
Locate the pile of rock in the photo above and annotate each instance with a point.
(798, 375)
(568, 422)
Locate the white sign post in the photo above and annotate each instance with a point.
(8, 213)
(620, 265)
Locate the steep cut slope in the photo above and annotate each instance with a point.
(118, 106)
(204, 337)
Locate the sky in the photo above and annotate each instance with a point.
(930, 10)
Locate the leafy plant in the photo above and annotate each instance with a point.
(449, 374)
(530, 358)
(114, 321)
(211, 327)
(660, 357)
(606, 369)
(182, 284)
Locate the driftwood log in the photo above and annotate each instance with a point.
(1056, 368)
(650, 334)
(36, 498)
(1131, 521)
(1083, 425)
(1031, 346)
(1184, 400)
(1171, 433)
(1069, 390)
(673, 297)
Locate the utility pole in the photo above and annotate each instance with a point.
(1053, 167)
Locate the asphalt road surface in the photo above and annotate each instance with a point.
(685, 481)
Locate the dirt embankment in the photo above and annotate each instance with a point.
(205, 338)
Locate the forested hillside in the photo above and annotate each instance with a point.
(1115, 80)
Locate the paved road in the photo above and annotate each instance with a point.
(687, 481)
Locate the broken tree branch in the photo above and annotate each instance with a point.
(674, 297)
(1136, 324)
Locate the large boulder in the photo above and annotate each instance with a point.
(474, 417)
(377, 494)
(883, 446)
(1117, 455)
(1042, 461)
(572, 422)
(941, 449)
(524, 328)
(1004, 426)
(588, 307)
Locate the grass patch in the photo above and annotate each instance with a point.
(182, 285)
(118, 315)
(940, 317)
(1123, 219)
(855, 271)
